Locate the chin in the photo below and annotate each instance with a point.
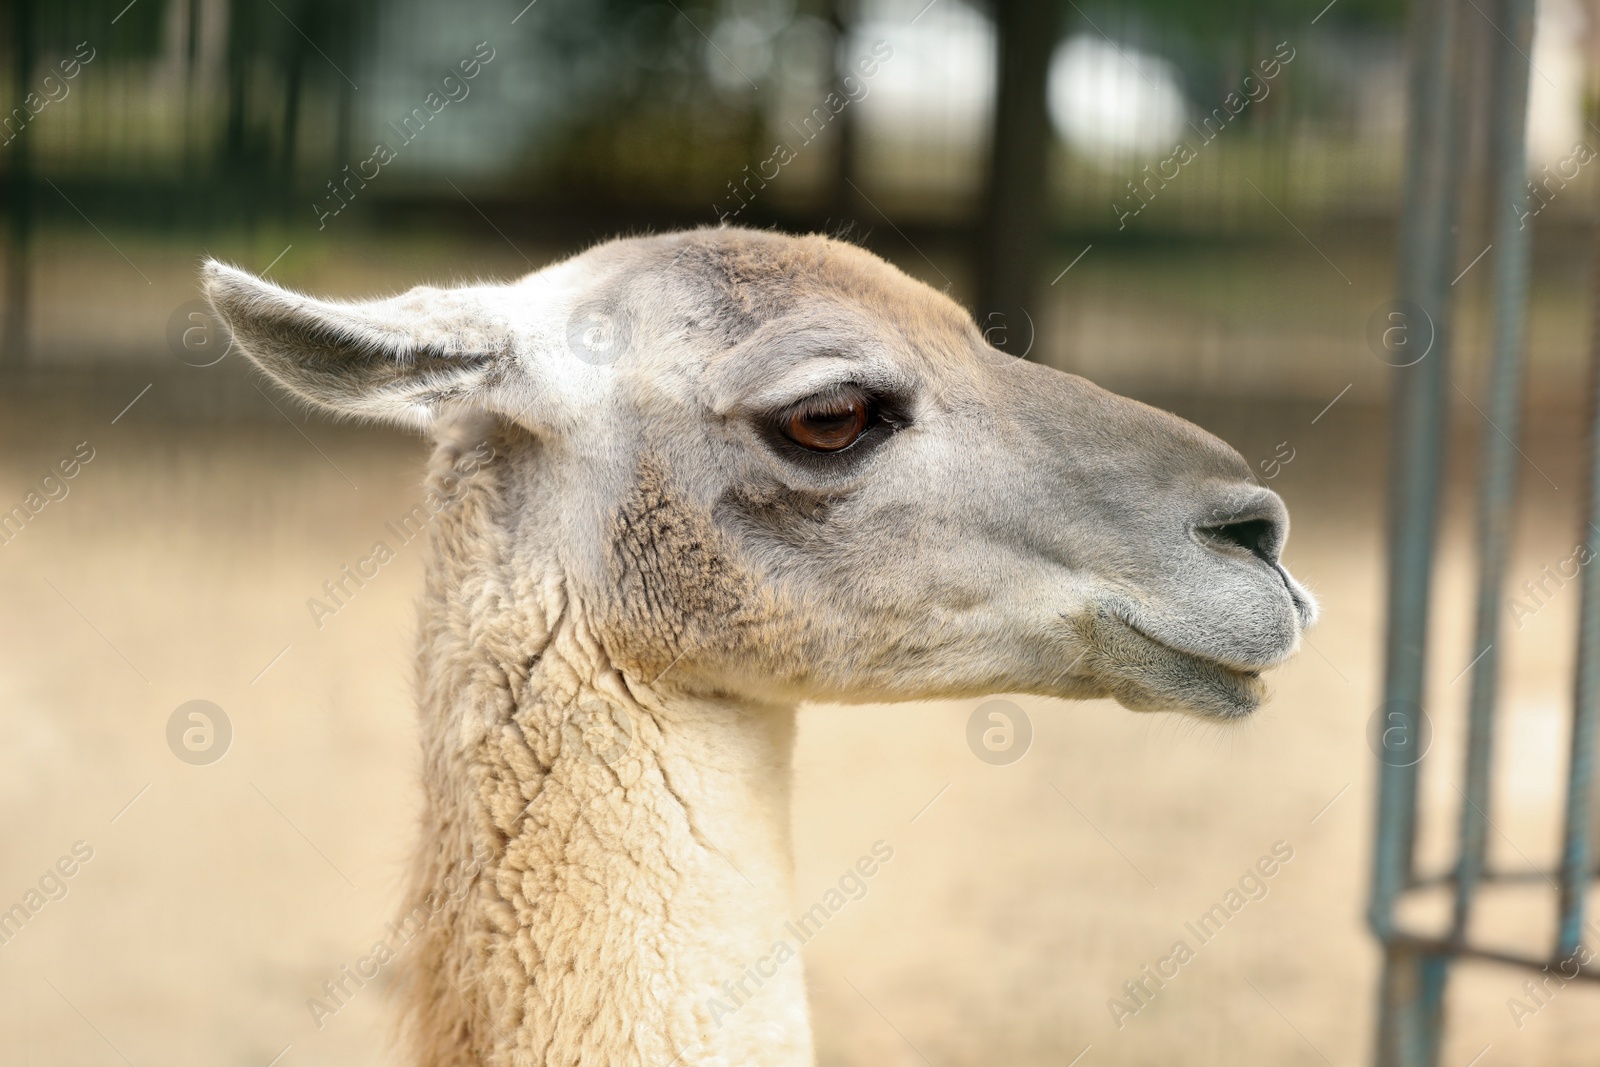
(1224, 695)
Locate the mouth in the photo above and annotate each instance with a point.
(1143, 673)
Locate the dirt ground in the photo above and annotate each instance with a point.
(217, 898)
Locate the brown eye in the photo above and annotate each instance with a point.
(828, 425)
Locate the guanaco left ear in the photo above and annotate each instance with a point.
(399, 360)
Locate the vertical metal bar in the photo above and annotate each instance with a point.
(1577, 850)
(1412, 1002)
(1427, 246)
(1512, 236)
(1409, 1005)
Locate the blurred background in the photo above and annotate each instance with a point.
(1195, 205)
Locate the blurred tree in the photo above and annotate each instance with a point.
(1016, 208)
(19, 196)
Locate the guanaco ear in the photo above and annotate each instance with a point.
(400, 360)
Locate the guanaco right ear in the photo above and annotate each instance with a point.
(400, 360)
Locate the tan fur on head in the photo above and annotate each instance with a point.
(637, 572)
(680, 582)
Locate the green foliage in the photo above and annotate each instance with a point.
(57, 28)
(1221, 20)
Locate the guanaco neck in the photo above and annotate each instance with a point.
(605, 862)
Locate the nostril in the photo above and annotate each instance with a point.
(1244, 517)
(1259, 537)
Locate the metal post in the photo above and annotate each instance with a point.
(1412, 982)
(1428, 214)
(1411, 1003)
(1508, 121)
(1577, 848)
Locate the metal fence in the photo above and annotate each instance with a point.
(1451, 108)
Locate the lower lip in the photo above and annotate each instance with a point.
(1253, 675)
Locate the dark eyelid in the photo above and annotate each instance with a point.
(886, 417)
